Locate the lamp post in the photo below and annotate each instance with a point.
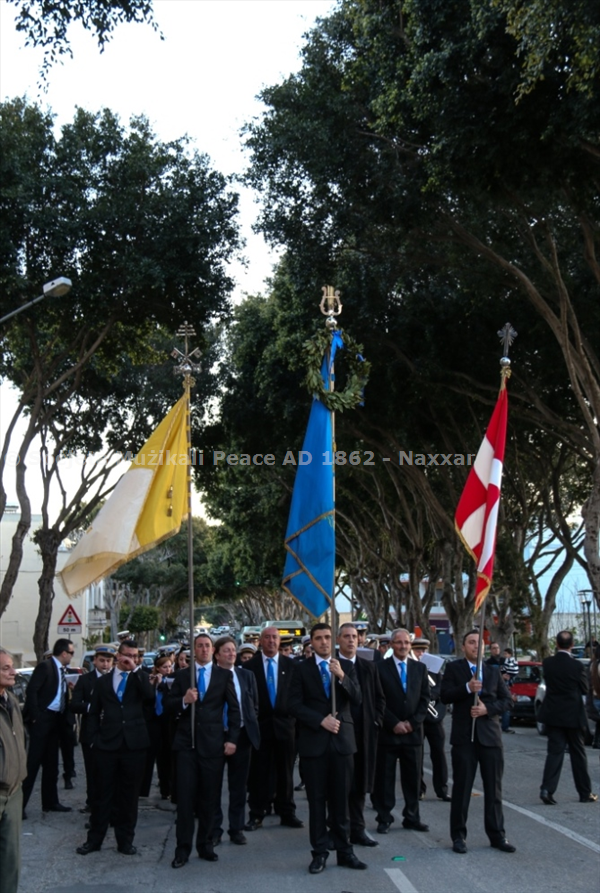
(585, 609)
(54, 289)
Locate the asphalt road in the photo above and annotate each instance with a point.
(558, 847)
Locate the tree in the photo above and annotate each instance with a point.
(144, 230)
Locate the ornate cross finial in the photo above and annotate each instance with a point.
(506, 335)
(330, 305)
(186, 359)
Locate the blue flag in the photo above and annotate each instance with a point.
(308, 575)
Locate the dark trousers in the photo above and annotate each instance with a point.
(356, 798)
(465, 759)
(67, 742)
(238, 767)
(328, 779)
(117, 780)
(158, 753)
(90, 777)
(278, 755)
(558, 738)
(43, 751)
(199, 781)
(384, 791)
(435, 735)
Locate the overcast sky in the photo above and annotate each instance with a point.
(201, 80)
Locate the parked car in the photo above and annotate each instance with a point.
(21, 682)
(524, 688)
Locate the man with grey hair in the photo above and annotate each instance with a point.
(13, 770)
(406, 691)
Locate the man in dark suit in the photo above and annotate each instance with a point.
(459, 687)
(563, 713)
(238, 764)
(433, 727)
(326, 745)
(119, 741)
(45, 712)
(277, 749)
(81, 700)
(406, 690)
(201, 758)
(368, 720)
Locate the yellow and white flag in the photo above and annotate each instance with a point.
(147, 506)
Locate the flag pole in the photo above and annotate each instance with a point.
(507, 335)
(331, 306)
(186, 366)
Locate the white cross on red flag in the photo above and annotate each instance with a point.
(476, 515)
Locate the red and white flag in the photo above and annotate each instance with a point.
(476, 515)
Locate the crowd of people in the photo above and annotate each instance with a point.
(220, 715)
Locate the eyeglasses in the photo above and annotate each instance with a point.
(71, 653)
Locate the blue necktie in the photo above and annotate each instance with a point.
(271, 681)
(201, 682)
(226, 717)
(121, 686)
(159, 703)
(403, 674)
(325, 677)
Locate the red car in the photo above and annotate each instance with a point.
(524, 688)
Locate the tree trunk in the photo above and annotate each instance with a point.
(48, 541)
(24, 523)
(591, 543)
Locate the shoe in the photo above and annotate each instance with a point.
(508, 731)
(58, 807)
(253, 825)
(69, 784)
(86, 848)
(445, 797)
(414, 826)
(383, 827)
(300, 787)
(588, 798)
(318, 864)
(364, 840)
(459, 846)
(238, 837)
(504, 845)
(180, 860)
(349, 860)
(547, 798)
(207, 853)
(292, 821)
(128, 849)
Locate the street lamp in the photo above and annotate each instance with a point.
(54, 289)
(585, 607)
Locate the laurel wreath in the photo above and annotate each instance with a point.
(357, 378)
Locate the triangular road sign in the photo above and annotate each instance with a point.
(70, 618)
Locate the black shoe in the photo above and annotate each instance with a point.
(364, 840)
(207, 853)
(300, 787)
(180, 860)
(414, 826)
(86, 848)
(508, 731)
(128, 849)
(69, 784)
(459, 846)
(588, 798)
(349, 860)
(383, 827)
(504, 845)
(547, 798)
(238, 837)
(253, 825)
(445, 797)
(58, 807)
(318, 864)
(291, 821)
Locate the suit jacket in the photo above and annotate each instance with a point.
(249, 705)
(114, 723)
(310, 705)
(210, 735)
(81, 698)
(275, 722)
(368, 717)
(41, 690)
(401, 705)
(566, 685)
(494, 694)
